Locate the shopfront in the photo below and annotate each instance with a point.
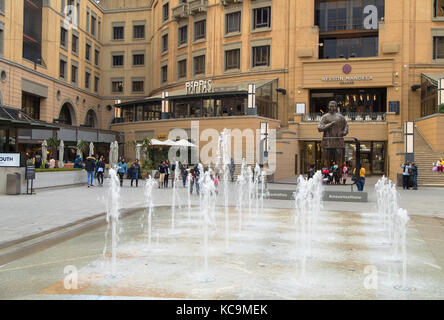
(373, 155)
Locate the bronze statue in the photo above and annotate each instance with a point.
(335, 128)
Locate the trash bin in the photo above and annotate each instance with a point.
(13, 184)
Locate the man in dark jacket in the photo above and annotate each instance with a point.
(173, 169)
(161, 170)
(184, 172)
(197, 174)
(135, 173)
(90, 166)
(414, 170)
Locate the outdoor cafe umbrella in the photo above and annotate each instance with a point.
(184, 143)
(44, 152)
(61, 153)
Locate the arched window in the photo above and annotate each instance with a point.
(91, 119)
(65, 114)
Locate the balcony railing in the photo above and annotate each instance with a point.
(181, 11)
(350, 117)
(197, 6)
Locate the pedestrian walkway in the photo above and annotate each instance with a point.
(22, 216)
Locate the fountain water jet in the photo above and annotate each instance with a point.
(149, 185)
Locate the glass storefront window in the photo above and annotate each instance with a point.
(351, 47)
(180, 110)
(370, 100)
(234, 106)
(31, 105)
(266, 101)
(8, 140)
(378, 158)
(429, 96)
(208, 108)
(2, 140)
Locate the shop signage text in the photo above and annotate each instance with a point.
(200, 86)
(9, 159)
(347, 79)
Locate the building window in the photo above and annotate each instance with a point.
(139, 32)
(165, 12)
(200, 30)
(99, 29)
(138, 59)
(199, 65)
(164, 74)
(233, 22)
(75, 44)
(63, 37)
(74, 74)
(232, 59)
(438, 47)
(62, 71)
(117, 86)
(165, 43)
(182, 69)
(183, 35)
(32, 31)
(2, 6)
(2, 40)
(117, 60)
(96, 84)
(88, 52)
(96, 57)
(118, 33)
(87, 80)
(93, 26)
(262, 18)
(261, 56)
(87, 20)
(31, 105)
(438, 8)
(138, 86)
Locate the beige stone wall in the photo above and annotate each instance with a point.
(432, 129)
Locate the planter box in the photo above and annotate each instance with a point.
(59, 178)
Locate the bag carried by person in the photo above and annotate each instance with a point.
(157, 175)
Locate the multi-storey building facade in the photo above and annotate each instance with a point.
(163, 64)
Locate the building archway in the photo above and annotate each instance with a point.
(67, 114)
(91, 119)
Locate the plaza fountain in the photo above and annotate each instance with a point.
(149, 185)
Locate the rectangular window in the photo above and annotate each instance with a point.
(232, 59)
(165, 43)
(439, 8)
(2, 40)
(117, 60)
(73, 74)
(87, 80)
(233, 22)
(138, 59)
(182, 69)
(88, 52)
(99, 29)
(62, 69)
(200, 30)
(118, 33)
(261, 56)
(183, 35)
(117, 86)
(87, 20)
(75, 44)
(199, 65)
(139, 32)
(165, 12)
(438, 48)
(31, 106)
(138, 86)
(164, 74)
(96, 57)
(2, 6)
(63, 37)
(262, 18)
(96, 84)
(93, 26)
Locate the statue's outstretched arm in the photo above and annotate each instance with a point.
(346, 129)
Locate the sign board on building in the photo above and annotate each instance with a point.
(9, 159)
(394, 106)
(199, 86)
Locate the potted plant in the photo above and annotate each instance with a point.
(53, 143)
(441, 108)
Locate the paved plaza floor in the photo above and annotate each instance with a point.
(27, 215)
(265, 256)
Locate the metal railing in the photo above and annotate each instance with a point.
(350, 116)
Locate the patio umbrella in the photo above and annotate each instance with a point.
(61, 153)
(91, 149)
(44, 152)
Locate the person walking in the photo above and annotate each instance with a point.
(311, 172)
(197, 176)
(440, 165)
(78, 162)
(406, 168)
(184, 173)
(135, 173)
(173, 174)
(360, 182)
(52, 163)
(344, 171)
(232, 168)
(167, 173)
(161, 169)
(121, 170)
(192, 179)
(414, 176)
(100, 171)
(90, 167)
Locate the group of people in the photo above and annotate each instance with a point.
(134, 172)
(339, 174)
(440, 165)
(409, 175)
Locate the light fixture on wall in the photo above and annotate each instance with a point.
(281, 90)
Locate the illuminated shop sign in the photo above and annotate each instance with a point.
(9, 159)
(200, 86)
